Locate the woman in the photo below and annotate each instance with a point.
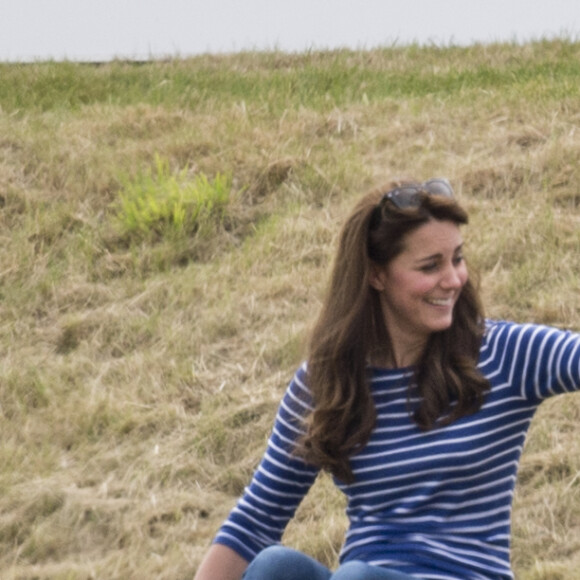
(415, 403)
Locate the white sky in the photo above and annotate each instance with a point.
(106, 29)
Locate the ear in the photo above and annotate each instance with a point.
(377, 277)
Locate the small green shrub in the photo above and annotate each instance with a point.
(165, 203)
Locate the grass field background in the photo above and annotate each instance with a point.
(166, 230)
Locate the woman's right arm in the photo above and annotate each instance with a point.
(280, 482)
(221, 563)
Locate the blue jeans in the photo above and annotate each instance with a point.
(280, 563)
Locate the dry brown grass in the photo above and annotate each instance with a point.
(139, 381)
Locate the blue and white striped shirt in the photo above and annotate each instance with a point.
(433, 504)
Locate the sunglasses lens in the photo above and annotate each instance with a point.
(439, 187)
(404, 197)
(408, 196)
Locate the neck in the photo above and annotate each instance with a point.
(399, 356)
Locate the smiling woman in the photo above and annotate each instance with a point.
(419, 288)
(138, 388)
(416, 404)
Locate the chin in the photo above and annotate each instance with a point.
(441, 326)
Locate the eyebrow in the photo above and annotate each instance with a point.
(437, 256)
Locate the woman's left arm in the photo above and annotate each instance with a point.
(551, 361)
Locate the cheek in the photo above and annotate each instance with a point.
(418, 285)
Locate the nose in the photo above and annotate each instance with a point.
(454, 276)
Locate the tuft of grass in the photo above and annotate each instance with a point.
(163, 203)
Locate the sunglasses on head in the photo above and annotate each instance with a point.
(411, 194)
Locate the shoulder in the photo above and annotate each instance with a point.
(298, 389)
(300, 380)
(494, 326)
(498, 331)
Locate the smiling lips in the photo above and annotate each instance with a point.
(440, 301)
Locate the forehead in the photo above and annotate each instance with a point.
(433, 237)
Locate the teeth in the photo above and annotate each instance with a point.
(440, 301)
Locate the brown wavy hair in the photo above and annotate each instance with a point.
(350, 328)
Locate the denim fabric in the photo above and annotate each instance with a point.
(280, 563)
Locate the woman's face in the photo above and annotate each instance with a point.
(419, 288)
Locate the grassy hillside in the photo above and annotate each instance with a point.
(166, 230)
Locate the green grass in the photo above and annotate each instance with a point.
(166, 230)
(160, 203)
(277, 80)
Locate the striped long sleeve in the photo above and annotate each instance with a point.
(279, 484)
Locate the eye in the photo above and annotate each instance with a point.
(458, 259)
(429, 267)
